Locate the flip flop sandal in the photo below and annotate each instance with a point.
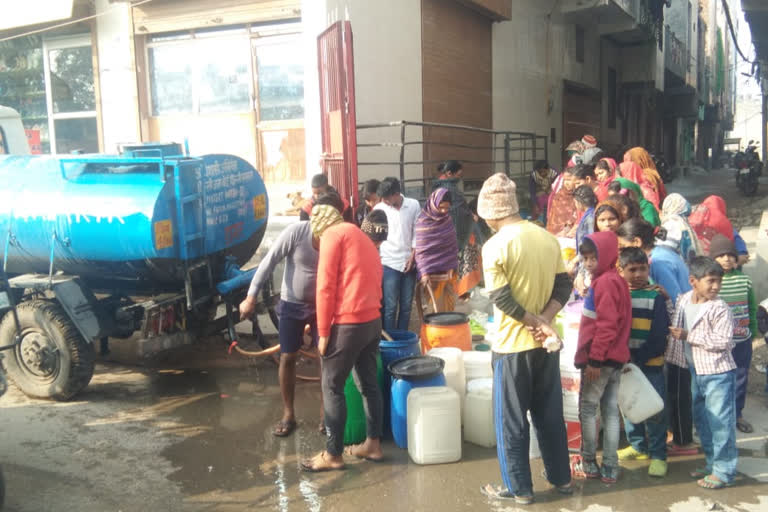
(309, 467)
(712, 484)
(744, 426)
(699, 473)
(349, 450)
(498, 492)
(284, 428)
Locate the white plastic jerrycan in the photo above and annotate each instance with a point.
(638, 400)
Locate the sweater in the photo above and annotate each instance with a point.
(738, 293)
(606, 318)
(349, 276)
(650, 327)
(294, 245)
(668, 270)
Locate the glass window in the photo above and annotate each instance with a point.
(76, 134)
(170, 69)
(225, 77)
(72, 79)
(280, 75)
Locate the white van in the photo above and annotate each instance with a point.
(13, 140)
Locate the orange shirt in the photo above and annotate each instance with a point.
(349, 277)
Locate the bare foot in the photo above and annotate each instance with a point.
(369, 450)
(323, 461)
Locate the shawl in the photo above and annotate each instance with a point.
(601, 191)
(561, 211)
(461, 215)
(437, 249)
(647, 210)
(642, 158)
(708, 219)
(674, 219)
(634, 172)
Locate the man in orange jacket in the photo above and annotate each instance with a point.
(349, 325)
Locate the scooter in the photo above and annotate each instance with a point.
(748, 169)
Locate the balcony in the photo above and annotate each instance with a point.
(644, 24)
(677, 57)
(603, 11)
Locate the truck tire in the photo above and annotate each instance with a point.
(52, 360)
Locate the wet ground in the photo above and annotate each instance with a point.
(191, 430)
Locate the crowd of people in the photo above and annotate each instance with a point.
(660, 282)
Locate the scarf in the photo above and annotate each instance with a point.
(601, 191)
(674, 219)
(708, 219)
(642, 158)
(634, 172)
(561, 212)
(323, 217)
(647, 210)
(437, 249)
(461, 215)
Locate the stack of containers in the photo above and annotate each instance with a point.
(453, 370)
(567, 324)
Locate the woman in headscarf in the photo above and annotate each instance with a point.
(708, 219)
(561, 215)
(605, 172)
(463, 221)
(642, 158)
(633, 172)
(647, 210)
(674, 218)
(437, 252)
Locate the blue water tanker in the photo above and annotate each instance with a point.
(100, 246)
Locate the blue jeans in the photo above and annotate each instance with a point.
(602, 393)
(714, 414)
(654, 427)
(397, 288)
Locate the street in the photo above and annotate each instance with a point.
(190, 429)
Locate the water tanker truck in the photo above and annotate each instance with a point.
(147, 243)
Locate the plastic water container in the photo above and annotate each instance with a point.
(446, 330)
(477, 365)
(403, 344)
(434, 425)
(409, 373)
(355, 427)
(478, 384)
(638, 400)
(478, 417)
(453, 370)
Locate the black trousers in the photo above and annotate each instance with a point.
(680, 404)
(351, 347)
(522, 382)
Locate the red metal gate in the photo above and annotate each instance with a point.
(337, 108)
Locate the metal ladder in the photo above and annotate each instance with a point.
(185, 201)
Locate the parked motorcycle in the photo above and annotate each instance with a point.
(665, 171)
(748, 169)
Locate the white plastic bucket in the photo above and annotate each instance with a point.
(434, 425)
(477, 365)
(478, 417)
(454, 368)
(638, 400)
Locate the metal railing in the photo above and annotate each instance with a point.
(402, 146)
(676, 54)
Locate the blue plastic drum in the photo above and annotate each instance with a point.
(408, 373)
(403, 344)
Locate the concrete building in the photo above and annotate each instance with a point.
(241, 76)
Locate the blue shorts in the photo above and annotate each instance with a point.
(293, 318)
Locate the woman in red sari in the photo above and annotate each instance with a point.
(642, 158)
(561, 214)
(605, 172)
(709, 219)
(633, 172)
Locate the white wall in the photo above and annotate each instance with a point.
(531, 58)
(117, 75)
(387, 51)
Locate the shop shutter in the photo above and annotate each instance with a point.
(170, 16)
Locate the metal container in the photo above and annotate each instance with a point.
(143, 217)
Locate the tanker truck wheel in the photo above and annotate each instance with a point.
(52, 360)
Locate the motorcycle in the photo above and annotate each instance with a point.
(662, 167)
(748, 169)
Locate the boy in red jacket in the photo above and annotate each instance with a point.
(602, 351)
